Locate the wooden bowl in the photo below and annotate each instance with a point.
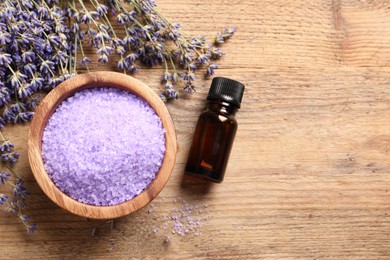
(47, 108)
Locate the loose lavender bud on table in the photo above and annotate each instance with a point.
(103, 146)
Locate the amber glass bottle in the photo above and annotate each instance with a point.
(215, 130)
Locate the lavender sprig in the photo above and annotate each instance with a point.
(42, 42)
(35, 55)
(13, 203)
(146, 41)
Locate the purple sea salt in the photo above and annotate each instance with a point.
(182, 220)
(103, 146)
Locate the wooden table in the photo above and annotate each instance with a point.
(309, 173)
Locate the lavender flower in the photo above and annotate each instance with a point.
(16, 203)
(31, 228)
(28, 56)
(216, 53)
(101, 9)
(167, 76)
(10, 158)
(5, 59)
(4, 176)
(41, 44)
(146, 40)
(5, 37)
(4, 94)
(84, 61)
(19, 190)
(3, 198)
(32, 102)
(189, 88)
(6, 146)
(46, 66)
(211, 68)
(23, 117)
(223, 36)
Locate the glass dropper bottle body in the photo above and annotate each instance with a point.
(215, 131)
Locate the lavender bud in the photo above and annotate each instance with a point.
(3, 198)
(84, 61)
(103, 58)
(4, 176)
(167, 76)
(101, 9)
(175, 77)
(5, 59)
(211, 68)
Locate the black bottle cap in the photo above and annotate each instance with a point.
(227, 90)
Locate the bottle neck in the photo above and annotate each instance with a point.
(222, 107)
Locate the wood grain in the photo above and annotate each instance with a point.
(309, 173)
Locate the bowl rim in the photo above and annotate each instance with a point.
(68, 88)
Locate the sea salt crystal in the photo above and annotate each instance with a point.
(182, 220)
(103, 146)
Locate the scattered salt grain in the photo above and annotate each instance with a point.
(167, 239)
(181, 220)
(151, 208)
(103, 146)
(112, 244)
(93, 232)
(111, 223)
